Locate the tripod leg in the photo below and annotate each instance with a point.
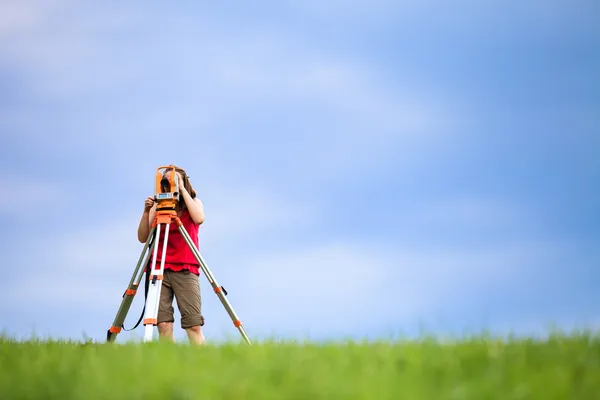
(130, 292)
(219, 290)
(156, 278)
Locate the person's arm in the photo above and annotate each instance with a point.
(146, 219)
(194, 206)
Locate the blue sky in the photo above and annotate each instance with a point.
(367, 168)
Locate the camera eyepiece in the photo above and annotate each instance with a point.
(165, 185)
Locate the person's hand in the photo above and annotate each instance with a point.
(148, 203)
(181, 185)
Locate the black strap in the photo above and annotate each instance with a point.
(146, 286)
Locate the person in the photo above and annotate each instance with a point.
(181, 270)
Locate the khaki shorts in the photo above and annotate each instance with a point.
(185, 287)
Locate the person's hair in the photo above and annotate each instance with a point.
(186, 183)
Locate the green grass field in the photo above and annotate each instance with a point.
(560, 367)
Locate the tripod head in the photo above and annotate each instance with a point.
(166, 188)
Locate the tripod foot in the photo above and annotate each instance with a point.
(112, 333)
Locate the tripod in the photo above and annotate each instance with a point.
(165, 216)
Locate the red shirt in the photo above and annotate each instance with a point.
(179, 256)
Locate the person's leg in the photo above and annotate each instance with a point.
(165, 309)
(165, 331)
(187, 293)
(196, 335)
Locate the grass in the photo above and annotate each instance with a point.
(558, 367)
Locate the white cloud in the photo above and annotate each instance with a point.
(83, 266)
(33, 195)
(19, 16)
(472, 211)
(229, 76)
(335, 287)
(380, 12)
(243, 212)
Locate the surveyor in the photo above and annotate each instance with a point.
(181, 270)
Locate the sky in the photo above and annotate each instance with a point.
(368, 169)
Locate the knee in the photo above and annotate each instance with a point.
(165, 328)
(195, 329)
